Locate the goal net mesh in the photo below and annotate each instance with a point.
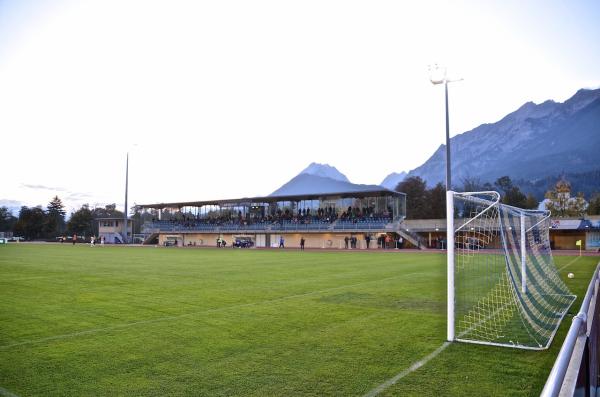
(495, 301)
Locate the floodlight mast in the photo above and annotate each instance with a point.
(449, 206)
(125, 239)
(444, 80)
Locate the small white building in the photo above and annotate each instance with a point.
(112, 230)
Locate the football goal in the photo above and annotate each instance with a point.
(503, 286)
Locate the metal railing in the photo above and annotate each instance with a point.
(575, 371)
(266, 227)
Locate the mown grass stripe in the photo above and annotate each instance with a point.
(207, 311)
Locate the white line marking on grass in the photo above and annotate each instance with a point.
(434, 354)
(9, 280)
(407, 371)
(6, 393)
(207, 311)
(426, 359)
(569, 264)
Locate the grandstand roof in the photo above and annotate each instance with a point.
(273, 199)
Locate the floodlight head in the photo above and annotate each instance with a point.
(437, 75)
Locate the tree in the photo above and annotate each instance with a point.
(139, 217)
(474, 185)
(415, 189)
(512, 195)
(108, 211)
(436, 197)
(515, 198)
(7, 220)
(30, 223)
(531, 203)
(503, 183)
(81, 221)
(560, 202)
(55, 217)
(594, 205)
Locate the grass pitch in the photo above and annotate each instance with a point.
(76, 320)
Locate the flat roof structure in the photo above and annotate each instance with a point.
(275, 199)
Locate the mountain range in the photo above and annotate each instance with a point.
(534, 145)
(534, 142)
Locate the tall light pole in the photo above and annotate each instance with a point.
(437, 79)
(125, 239)
(443, 79)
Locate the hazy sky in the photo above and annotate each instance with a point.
(225, 99)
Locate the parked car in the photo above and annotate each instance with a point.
(243, 242)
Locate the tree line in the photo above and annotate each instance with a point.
(430, 203)
(38, 223)
(34, 223)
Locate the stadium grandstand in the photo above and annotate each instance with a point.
(369, 218)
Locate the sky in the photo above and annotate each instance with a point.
(228, 99)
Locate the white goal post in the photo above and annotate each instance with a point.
(503, 286)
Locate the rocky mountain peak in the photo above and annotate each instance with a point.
(393, 179)
(324, 170)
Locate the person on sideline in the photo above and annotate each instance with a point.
(281, 242)
(74, 239)
(302, 243)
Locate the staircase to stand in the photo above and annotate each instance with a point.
(412, 237)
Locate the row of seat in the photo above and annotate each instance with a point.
(341, 224)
